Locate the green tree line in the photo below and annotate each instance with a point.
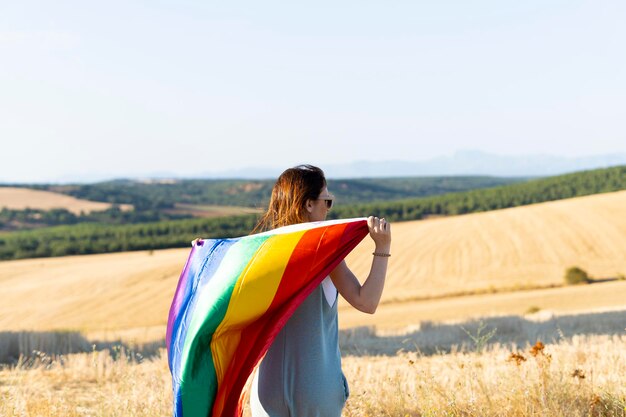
(88, 238)
(255, 193)
(11, 219)
(530, 192)
(97, 238)
(156, 201)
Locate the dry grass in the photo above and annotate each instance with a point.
(21, 198)
(438, 337)
(105, 383)
(582, 376)
(507, 249)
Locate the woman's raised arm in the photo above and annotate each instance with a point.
(367, 296)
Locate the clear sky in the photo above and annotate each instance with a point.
(131, 88)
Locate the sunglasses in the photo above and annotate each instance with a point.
(329, 201)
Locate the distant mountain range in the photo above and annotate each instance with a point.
(467, 162)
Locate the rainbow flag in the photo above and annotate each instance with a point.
(232, 299)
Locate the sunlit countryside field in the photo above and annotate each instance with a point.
(21, 198)
(580, 375)
(475, 321)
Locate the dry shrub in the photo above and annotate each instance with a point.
(576, 276)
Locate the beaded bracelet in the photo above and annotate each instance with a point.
(384, 255)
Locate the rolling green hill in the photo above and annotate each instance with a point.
(98, 238)
(255, 193)
(160, 200)
(534, 191)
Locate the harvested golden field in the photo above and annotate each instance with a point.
(21, 198)
(570, 300)
(507, 249)
(521, 247)
(581, 376)
(109, 291)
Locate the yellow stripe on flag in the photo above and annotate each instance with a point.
(251, 297)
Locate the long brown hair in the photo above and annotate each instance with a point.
(292, 189)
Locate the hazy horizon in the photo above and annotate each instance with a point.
(467, 162)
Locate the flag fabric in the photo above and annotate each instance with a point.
(232, 299)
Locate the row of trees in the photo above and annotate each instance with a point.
(530, 192)
(256, 193)
(158, 201)
(32, 218)
(96, 238)
(87, 238)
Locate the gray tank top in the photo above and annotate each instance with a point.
(301, 372)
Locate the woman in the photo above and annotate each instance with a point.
(301, 373)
